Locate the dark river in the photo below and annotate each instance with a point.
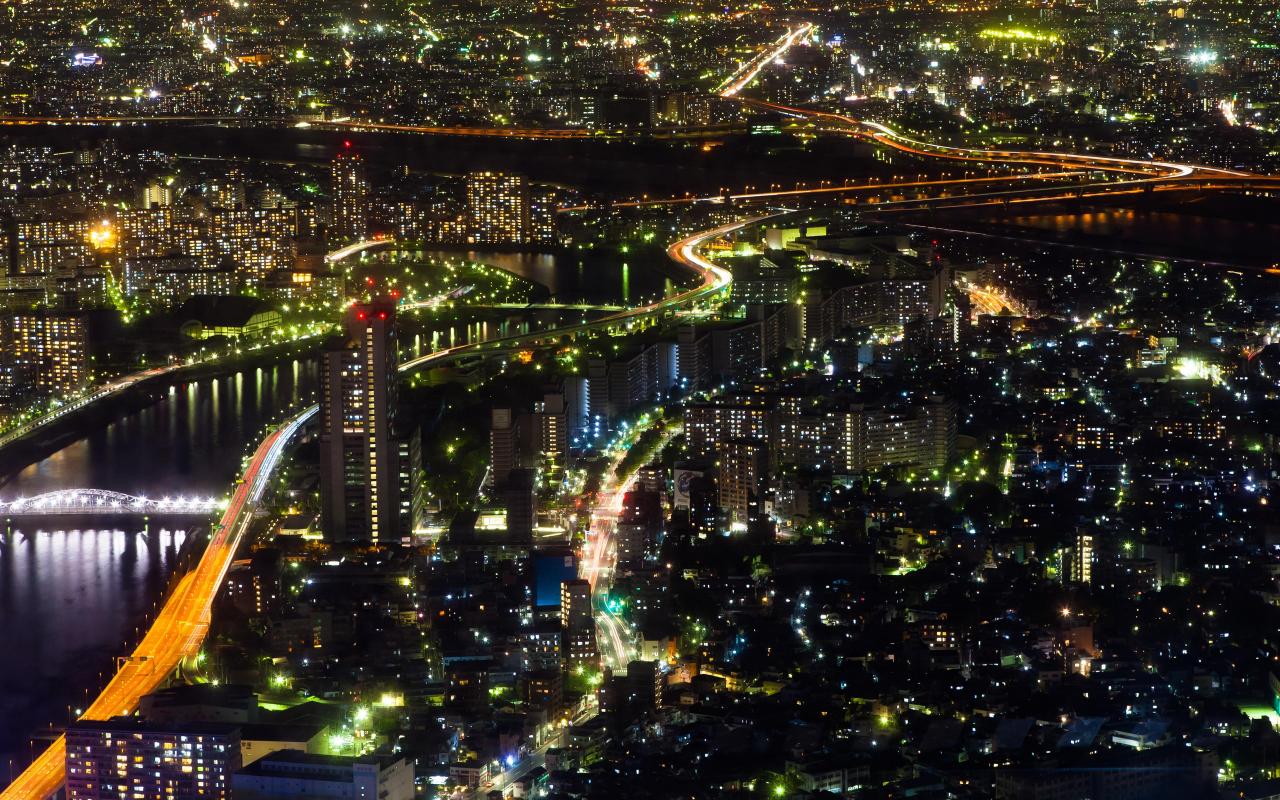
(574, 278)
(1212, 237)
(72, 592)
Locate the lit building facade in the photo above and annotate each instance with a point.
(577, 624)
(706, 426)
(349, 191)
(56, 346)
(500, 208)
(129, 758)
(359, 458)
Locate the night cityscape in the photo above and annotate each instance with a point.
(599, 400)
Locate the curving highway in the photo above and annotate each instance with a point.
(94, 395)
(887, 136)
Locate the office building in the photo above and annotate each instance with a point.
(499, 208)
(551, 569)
(296, 774)
(645, 682)
(520, 502)
(349, 193)
(126, 757)
(359, 457)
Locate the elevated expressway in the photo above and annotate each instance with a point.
(1092, 175)
(179, 628)
(115, 386)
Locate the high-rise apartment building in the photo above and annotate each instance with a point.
(577, 624)
(922, 436)
(552, 429)
(157, 195)
(128, 757)
(1083, 558)
(43, 245)
(503, 448)
(542, 216)
(708, 424)
(257, 241)
(349, 193)
(360, 460)
(743, 467)
(54, 347)
(499, 207)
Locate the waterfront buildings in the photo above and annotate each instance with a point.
(349, 195)
(500, 209)
(53, 347)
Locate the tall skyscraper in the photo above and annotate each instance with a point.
(503, 454)
(499, 207)
(542, 216)
(359, 456)
(552, 432)
(349, 191)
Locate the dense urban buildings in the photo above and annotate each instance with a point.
(620, 401)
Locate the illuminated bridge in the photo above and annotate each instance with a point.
(69, 502)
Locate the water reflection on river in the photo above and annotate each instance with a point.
(71, 595)
(1164, 233)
